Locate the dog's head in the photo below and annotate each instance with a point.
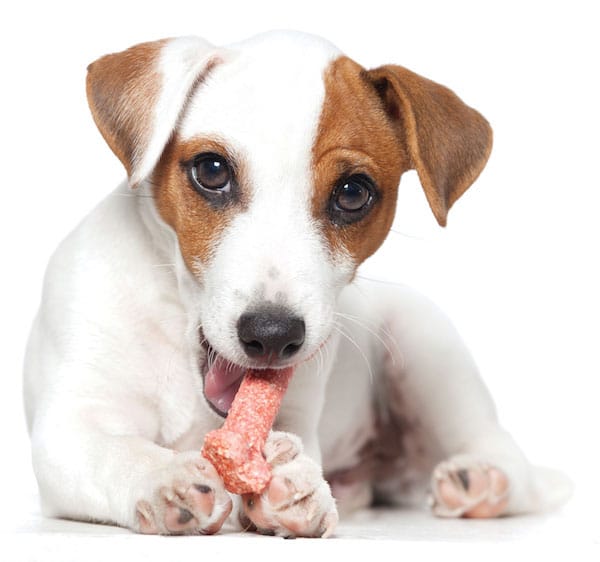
(276, 164)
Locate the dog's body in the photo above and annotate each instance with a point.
(264, 174)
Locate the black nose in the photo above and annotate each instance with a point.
(272, 332)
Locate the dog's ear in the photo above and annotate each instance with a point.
(137, 96)
(447, 142)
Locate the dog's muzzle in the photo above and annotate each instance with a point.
(270, 336)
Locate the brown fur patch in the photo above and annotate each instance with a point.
(383, 122)
(355, 136)
(122, 90)
(197, 223)
(447, 141)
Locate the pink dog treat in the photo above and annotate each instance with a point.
(236, 450)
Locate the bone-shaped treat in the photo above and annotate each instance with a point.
(236, 449)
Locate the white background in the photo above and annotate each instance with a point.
(517, 266)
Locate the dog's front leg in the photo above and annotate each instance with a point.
(90, 465)
(298, 500)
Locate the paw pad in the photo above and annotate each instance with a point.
(188, 498)
(474, 490)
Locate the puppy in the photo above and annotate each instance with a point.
(260, 176)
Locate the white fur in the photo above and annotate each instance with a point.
(112, 381)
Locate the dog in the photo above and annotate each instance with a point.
(259, 177)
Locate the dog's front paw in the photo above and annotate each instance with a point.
(185, 497)
(465, 487)
(298, 500)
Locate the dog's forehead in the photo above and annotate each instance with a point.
(266, 90)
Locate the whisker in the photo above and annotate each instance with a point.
(362, 324)
(377, 328)
(163, 265)
(337, 327)
(383, 281)
(133, 194)
(411, 236)
(212, 357)
(326, 350)
(321, 366)
(382, 324)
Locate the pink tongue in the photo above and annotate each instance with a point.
(222, 382)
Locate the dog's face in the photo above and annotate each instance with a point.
(276, 162)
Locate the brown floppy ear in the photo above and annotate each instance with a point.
(136, 97)
(447, 141)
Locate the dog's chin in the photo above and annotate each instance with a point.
(222, 378)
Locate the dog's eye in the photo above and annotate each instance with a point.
(352, 198)
(210, 172)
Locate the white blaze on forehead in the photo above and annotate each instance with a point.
(269, 90)
(265, 99)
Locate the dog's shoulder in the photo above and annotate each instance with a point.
(111, 256)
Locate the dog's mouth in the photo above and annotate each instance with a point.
(222, 378)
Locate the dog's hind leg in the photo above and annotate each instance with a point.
(444, 421)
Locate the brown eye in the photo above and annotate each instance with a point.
(352, 198)
(352, 195)
(210, 172)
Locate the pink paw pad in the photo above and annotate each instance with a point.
(474, 491)
(183, 511)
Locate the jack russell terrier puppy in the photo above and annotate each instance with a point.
(260, 176)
